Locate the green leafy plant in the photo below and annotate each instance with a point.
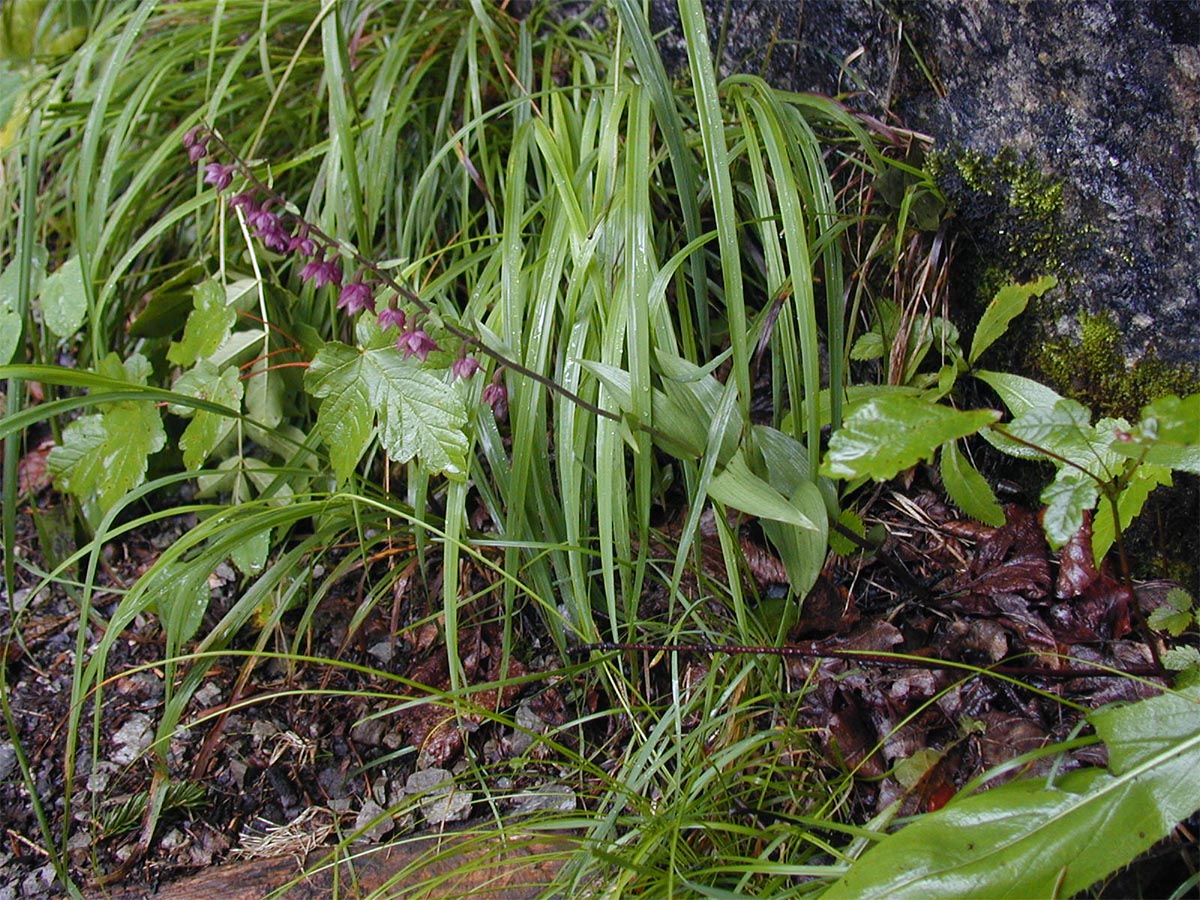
(1177, 616)
(1058, 836)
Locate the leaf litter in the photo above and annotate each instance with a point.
(309, 749)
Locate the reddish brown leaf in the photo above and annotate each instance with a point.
(1012, 564)
(1077, 567)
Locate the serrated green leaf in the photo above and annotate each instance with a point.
(968, 489)
(1010, 301)
(868, 346)
(1167, 435)
(103, 456)
(1180, 599)
(63, 299)
(1143, 480)
(1172, 621)
(345, 420)
(1179, 658)
(852, 521)
(1031, 839)
(207, 429)
(888, 434)
(207, 327)
(417, 414)
(1066, 497)
(1064, 431)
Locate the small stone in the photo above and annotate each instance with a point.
(132, 739)
(372, 822)
(207, 695)
(98, 779)
(8, 759)
(441, 802)
(553, 796)
(368, 732)
(383, 651)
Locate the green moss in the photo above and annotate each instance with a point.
(1010, 209)
(1091, 368)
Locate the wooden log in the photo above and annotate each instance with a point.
(472, 862)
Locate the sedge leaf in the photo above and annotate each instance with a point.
(968, 489)
(888, 434)
(1010, 301)
(417, 414)
(1033, 839)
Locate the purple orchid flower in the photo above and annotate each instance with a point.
(416, 343)
(464, 367)
(356, 296)
(322, 271)
(219, 175)
(391, 317)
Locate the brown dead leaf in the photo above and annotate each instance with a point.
(32, 475)
(1077, 566)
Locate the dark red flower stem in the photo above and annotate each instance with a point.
(411, 297)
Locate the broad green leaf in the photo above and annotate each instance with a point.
(737, 486)
(888, 434)
(801, 549)
(1018, 394)
(1010, 301)
(207, 327)
(264, 394)
(250, 555)
(10, 334)
(968, 489)
(63, 299)
(11, 323)
(1142, 481)
(1038, 839)
(103, 456)
(207, 429)
(417, 414)
(1066, 497)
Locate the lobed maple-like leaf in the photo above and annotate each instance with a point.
(417, 414)
(103, 456)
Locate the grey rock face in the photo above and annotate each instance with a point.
(1104, 94)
